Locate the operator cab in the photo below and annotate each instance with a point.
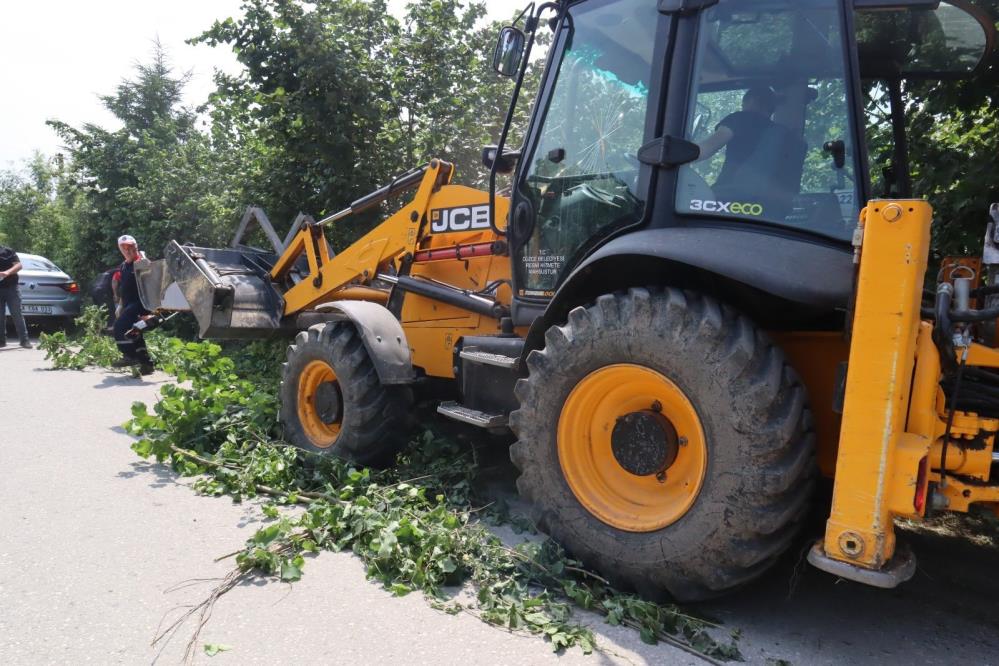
(742, 113)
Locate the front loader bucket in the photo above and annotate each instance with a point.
(157, 290)
(229, 291)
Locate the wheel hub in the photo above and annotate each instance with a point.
(644, 443)
(329, 402)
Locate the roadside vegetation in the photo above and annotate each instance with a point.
(423, 526)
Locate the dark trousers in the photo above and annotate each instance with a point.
(11, 298)
(131, 347)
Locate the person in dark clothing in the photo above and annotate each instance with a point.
(740, 133)
(10, 297)
(102, 292)
(132, 347)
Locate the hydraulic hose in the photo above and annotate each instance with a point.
(950, 418)
(943, 328)
(959, 316)
(987, 290)
(972, 316)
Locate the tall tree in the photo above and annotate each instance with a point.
(38, 208)
(154, 178)
(311, 100)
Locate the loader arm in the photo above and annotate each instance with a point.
(344, 276)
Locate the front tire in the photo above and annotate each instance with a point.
(332, 402)
(664, 440)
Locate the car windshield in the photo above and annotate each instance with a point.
(38, 264)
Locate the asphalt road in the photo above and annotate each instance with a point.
(97, 548)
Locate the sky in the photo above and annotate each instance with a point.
(58, 56)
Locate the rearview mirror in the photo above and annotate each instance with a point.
(509, 51)
(505, 164)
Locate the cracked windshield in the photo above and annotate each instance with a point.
(583, 177)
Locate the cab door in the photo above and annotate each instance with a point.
(580, 179)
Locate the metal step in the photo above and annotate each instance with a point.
(458, 412)
(473, 355)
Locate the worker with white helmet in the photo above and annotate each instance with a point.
(132, 346)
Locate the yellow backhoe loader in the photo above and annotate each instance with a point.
(676, 311)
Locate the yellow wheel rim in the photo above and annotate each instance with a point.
(610, 492)
(319, 432)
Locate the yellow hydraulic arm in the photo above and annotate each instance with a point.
(345, 275)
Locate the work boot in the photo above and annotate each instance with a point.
(146, 369)
(124, 362)
(26, 344)
(3, 343)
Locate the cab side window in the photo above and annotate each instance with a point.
(771, 115)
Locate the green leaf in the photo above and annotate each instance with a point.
(212, 649)
(265, 536)
(538, 619)
(143, 447)
(400, 589)
(290, 571)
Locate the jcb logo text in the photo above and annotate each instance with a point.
(462, 218)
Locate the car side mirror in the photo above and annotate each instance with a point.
(509, 51)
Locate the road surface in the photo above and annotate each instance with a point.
(96, 544)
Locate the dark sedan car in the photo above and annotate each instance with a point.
(48, 295)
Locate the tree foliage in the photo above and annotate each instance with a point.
(953, 132)
(154, 178)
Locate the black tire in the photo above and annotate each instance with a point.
(375, 419)
(758, 436)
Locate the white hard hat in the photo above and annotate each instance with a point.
(127, 240)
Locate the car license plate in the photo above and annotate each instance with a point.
(36, 309)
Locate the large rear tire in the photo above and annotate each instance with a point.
(664, 440)
(332, 402)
